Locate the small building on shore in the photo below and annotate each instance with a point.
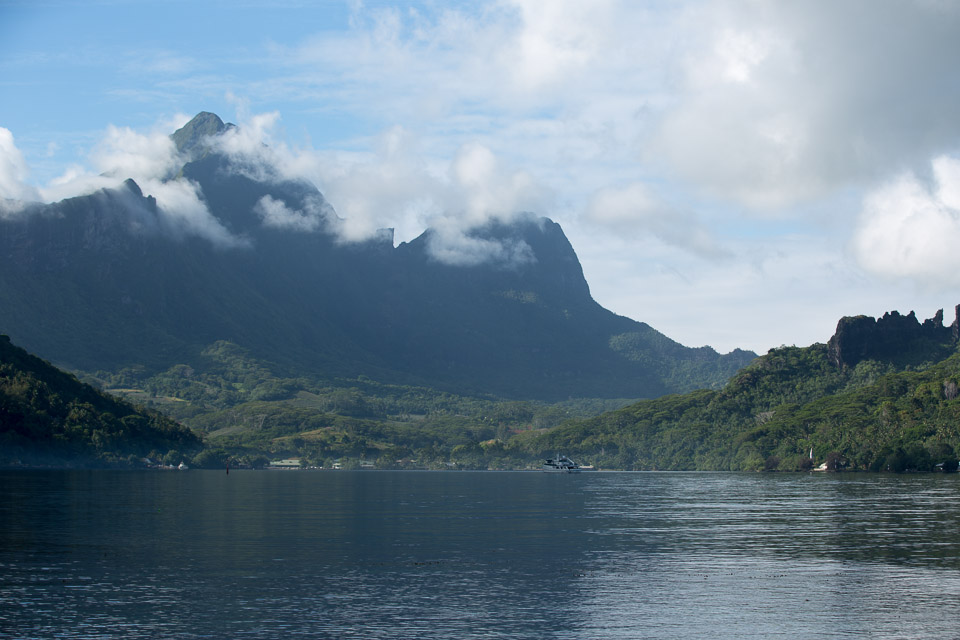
(289, 463)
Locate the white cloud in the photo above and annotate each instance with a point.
(946, 171)
(252, 148)
(119, 154)
(635, 210)
(482, 189)
(276, 214)
(763, 104)
(184, 212)
(150, 159)
(479, 191)
(912, 229)
(400, 186)
(126, 153)
(256, 147)
(391, 186)
(787, 102)
(555, 41)
(76, 181)
(13, 171)
(452, 244)
(489, 58)
(739, 53)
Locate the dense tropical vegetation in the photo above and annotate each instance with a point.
(249, 414)
(900, 415)
(775, 412)
(48, 417)
(792, 409)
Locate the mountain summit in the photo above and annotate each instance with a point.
(119, 279)
(190, 136)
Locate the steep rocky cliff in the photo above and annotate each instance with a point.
(893, 338)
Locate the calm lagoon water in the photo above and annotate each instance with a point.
(197, 554)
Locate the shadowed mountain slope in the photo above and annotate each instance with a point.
(111, 279)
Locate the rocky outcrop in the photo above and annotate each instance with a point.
(191, 137)
(892, 338)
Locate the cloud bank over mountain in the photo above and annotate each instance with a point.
(683, 144)
(474, 191)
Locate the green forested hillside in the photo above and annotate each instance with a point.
(872, 415)
(48, 417)
(855, 403)
(770, 416)
(249, 413)
(881, 395)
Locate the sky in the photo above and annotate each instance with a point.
(735, 174)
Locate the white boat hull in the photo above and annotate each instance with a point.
(561, 464)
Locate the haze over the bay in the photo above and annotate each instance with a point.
(738, 174)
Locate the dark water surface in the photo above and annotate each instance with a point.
(366, 554)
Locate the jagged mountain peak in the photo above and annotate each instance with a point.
(893, 338)
(190, 137)
(133, 187)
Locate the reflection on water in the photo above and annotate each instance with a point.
(746, 555)
(460, 554)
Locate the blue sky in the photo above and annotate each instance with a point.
(738, 174)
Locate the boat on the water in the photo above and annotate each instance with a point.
(562, 464)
